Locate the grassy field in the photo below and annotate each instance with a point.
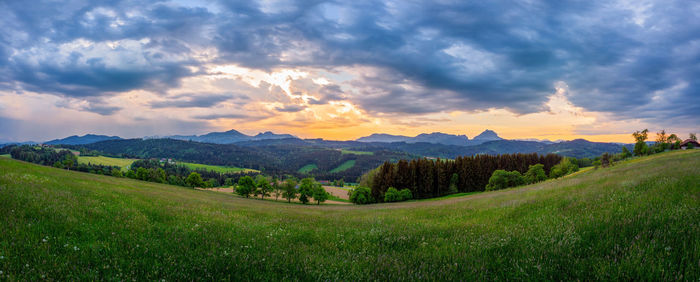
(6, 156)
(344, 166)
(102, 160)
(634, 221)
(307, 168)
(220, 169)
(344, 152)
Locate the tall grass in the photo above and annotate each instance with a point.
(636, 221)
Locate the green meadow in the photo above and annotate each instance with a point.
(216, 168)
(307, 168)
(344, 166)
(638, 220)
(352, 152)
(102, 160)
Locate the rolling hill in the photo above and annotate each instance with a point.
(638, 220)
(81, 140)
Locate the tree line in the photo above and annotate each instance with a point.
(174, 174)
(427, 178)
(57, 158)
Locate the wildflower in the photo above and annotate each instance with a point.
(75, 248)
(44, 240)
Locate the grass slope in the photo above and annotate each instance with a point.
(307, 168)
(344, 152)
(102, 160)
(344, 166)
(220, 169)
(635, 221)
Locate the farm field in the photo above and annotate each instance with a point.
(307, 168)
(344, 166)
(338, 192)
(220, 169)
(638, 220)
(352, 152)
(102, 160)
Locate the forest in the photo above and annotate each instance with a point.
(427, 178)
(275, 159)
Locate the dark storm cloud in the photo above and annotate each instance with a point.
(478, 54)
(102, 109)
(426, 56)
(44, 26)
(290, 108)
(195, 100)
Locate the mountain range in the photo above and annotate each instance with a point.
(81, 140)
(434, 144)
(229, 137)
(434, 138)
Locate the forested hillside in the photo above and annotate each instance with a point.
(274, 158)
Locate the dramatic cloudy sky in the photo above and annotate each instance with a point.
(344, 69)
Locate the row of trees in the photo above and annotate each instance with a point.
(64, 159)
(174, 174)
(432, 178)
(305, 190)
(662, 143)
(501, 179)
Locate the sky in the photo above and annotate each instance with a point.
(340, 70)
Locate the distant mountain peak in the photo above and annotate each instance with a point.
(231, 136)
(488, 135)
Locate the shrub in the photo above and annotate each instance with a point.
(625, 153)
(392, 195)
(563, 168)
(605, 160)
(361, 195)
(535, 173)
(501, 179)
(406, 194)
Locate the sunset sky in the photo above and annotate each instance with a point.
(597, 70)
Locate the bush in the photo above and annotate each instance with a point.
(563, 168)
(361, 195)
(501, 179)
(406, 194)
(392, 195)
(535, 173)
(640, 148)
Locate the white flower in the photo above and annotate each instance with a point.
(75, 248)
